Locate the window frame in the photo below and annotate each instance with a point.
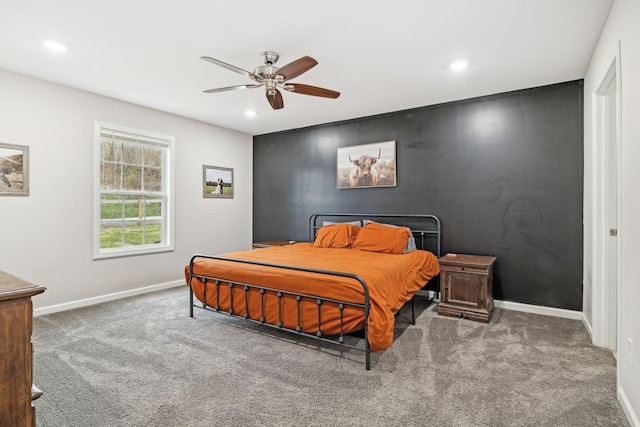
(168, 191)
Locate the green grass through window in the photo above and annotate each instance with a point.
(111, 237)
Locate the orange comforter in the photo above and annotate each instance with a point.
(392, 280)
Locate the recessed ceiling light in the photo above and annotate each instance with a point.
(250, 113)
(54, 45)
(458, 65)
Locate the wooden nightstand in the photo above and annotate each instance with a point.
(267, 244)
(466, 286)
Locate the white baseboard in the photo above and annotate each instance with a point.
(425, 293)
(587, 326)
(104, 298)
(527, 308)
(539, 309)
(628, 410)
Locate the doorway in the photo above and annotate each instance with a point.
(607, 202)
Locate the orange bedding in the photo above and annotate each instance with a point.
(392, 280)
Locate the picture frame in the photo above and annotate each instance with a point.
(14, 170)
(366, 165)
(217, 182)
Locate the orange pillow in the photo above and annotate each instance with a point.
(375, 237)
(336, 236)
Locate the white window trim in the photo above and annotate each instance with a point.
(170, 206)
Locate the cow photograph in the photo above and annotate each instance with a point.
(367, 165)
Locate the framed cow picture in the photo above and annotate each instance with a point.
(367, 165)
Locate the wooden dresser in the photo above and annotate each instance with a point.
(466, 286)
(16, 355)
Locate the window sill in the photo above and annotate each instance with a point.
(120, 253)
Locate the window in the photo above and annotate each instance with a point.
(133, 207)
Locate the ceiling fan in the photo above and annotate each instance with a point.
(273, 78)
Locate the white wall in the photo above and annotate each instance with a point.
(46, 238)
(621, 25)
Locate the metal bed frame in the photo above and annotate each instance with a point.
(216, 282)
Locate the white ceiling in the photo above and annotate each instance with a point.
(382, 56)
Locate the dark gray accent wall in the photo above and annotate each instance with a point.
(504, 173)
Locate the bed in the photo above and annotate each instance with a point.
(353, 275)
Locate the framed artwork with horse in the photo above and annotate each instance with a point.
(367, 165)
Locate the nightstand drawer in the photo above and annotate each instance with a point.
(471, 269)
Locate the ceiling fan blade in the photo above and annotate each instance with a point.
(311, 90)
(297, 67)
(232, 68)
(275, 100)
(224, 89)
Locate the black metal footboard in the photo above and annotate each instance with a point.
(216, 282)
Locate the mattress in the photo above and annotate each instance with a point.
(391, 279)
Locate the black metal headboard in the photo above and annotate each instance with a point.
(426, 229)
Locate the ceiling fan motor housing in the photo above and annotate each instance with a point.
(266, 71)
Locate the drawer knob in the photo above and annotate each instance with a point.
(462, 268)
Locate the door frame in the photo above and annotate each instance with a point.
(606, 296)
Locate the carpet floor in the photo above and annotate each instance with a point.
(142, 361)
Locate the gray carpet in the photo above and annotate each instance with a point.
(142, 361)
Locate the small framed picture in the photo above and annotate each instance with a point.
(217, 182)
(367, 165)
(14, 170)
